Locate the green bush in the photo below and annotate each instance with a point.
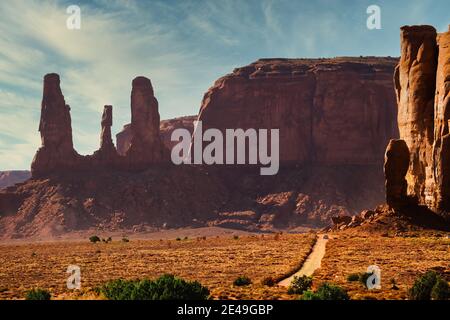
(326, 292)
(38, 294)
(441, 290)
(422, 287)
(166, 287)
(300, 285)
(242, 281)
(94, 239)
(353, 277)
(268, 281)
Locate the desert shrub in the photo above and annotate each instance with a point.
(125, 239)
(394, 284)
(300, 285)
(178, 239)
(242, 281)
(441, 290)
(166, 287)
(94, 239)
(268, 281)
(422, 287)
(236, 237)
(353, 277)
(38, 294)
(326, 292)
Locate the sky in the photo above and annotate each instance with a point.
(182, 46)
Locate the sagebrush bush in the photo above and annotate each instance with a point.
(441, 290)
(242, 281)
(38, 294)
(268, 281)
(326, 292)
(429, 286)
(421, 289)
(300, 284)
(353, 277)
(94, 239)
(166, 287)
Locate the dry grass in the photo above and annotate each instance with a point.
(402, 259)
(215, 262)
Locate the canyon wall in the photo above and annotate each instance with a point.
(422, 83)
(329, 111)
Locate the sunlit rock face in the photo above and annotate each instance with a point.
(329, 111)
(422, 82)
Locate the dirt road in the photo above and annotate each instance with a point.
(312, 262)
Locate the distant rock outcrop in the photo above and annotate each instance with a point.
(10, 178)
(422, 81)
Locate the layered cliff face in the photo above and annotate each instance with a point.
(422, 81)
(329, 111)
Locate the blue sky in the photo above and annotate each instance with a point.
(183, 46)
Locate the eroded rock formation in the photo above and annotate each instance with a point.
(57, 153)
(329, 111)
(396, 166)
(422, 81)
(145, 147)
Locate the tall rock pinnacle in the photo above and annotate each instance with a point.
(422, 81)
(146, 147)
(55, 129)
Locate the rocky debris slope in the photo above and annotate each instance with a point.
(386, 221)
(167, 196)
(329, 111)
(422, 82)
(10, 178)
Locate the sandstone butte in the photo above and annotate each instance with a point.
(335, 117)
(422, 85)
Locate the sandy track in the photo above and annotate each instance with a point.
(312, 262)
